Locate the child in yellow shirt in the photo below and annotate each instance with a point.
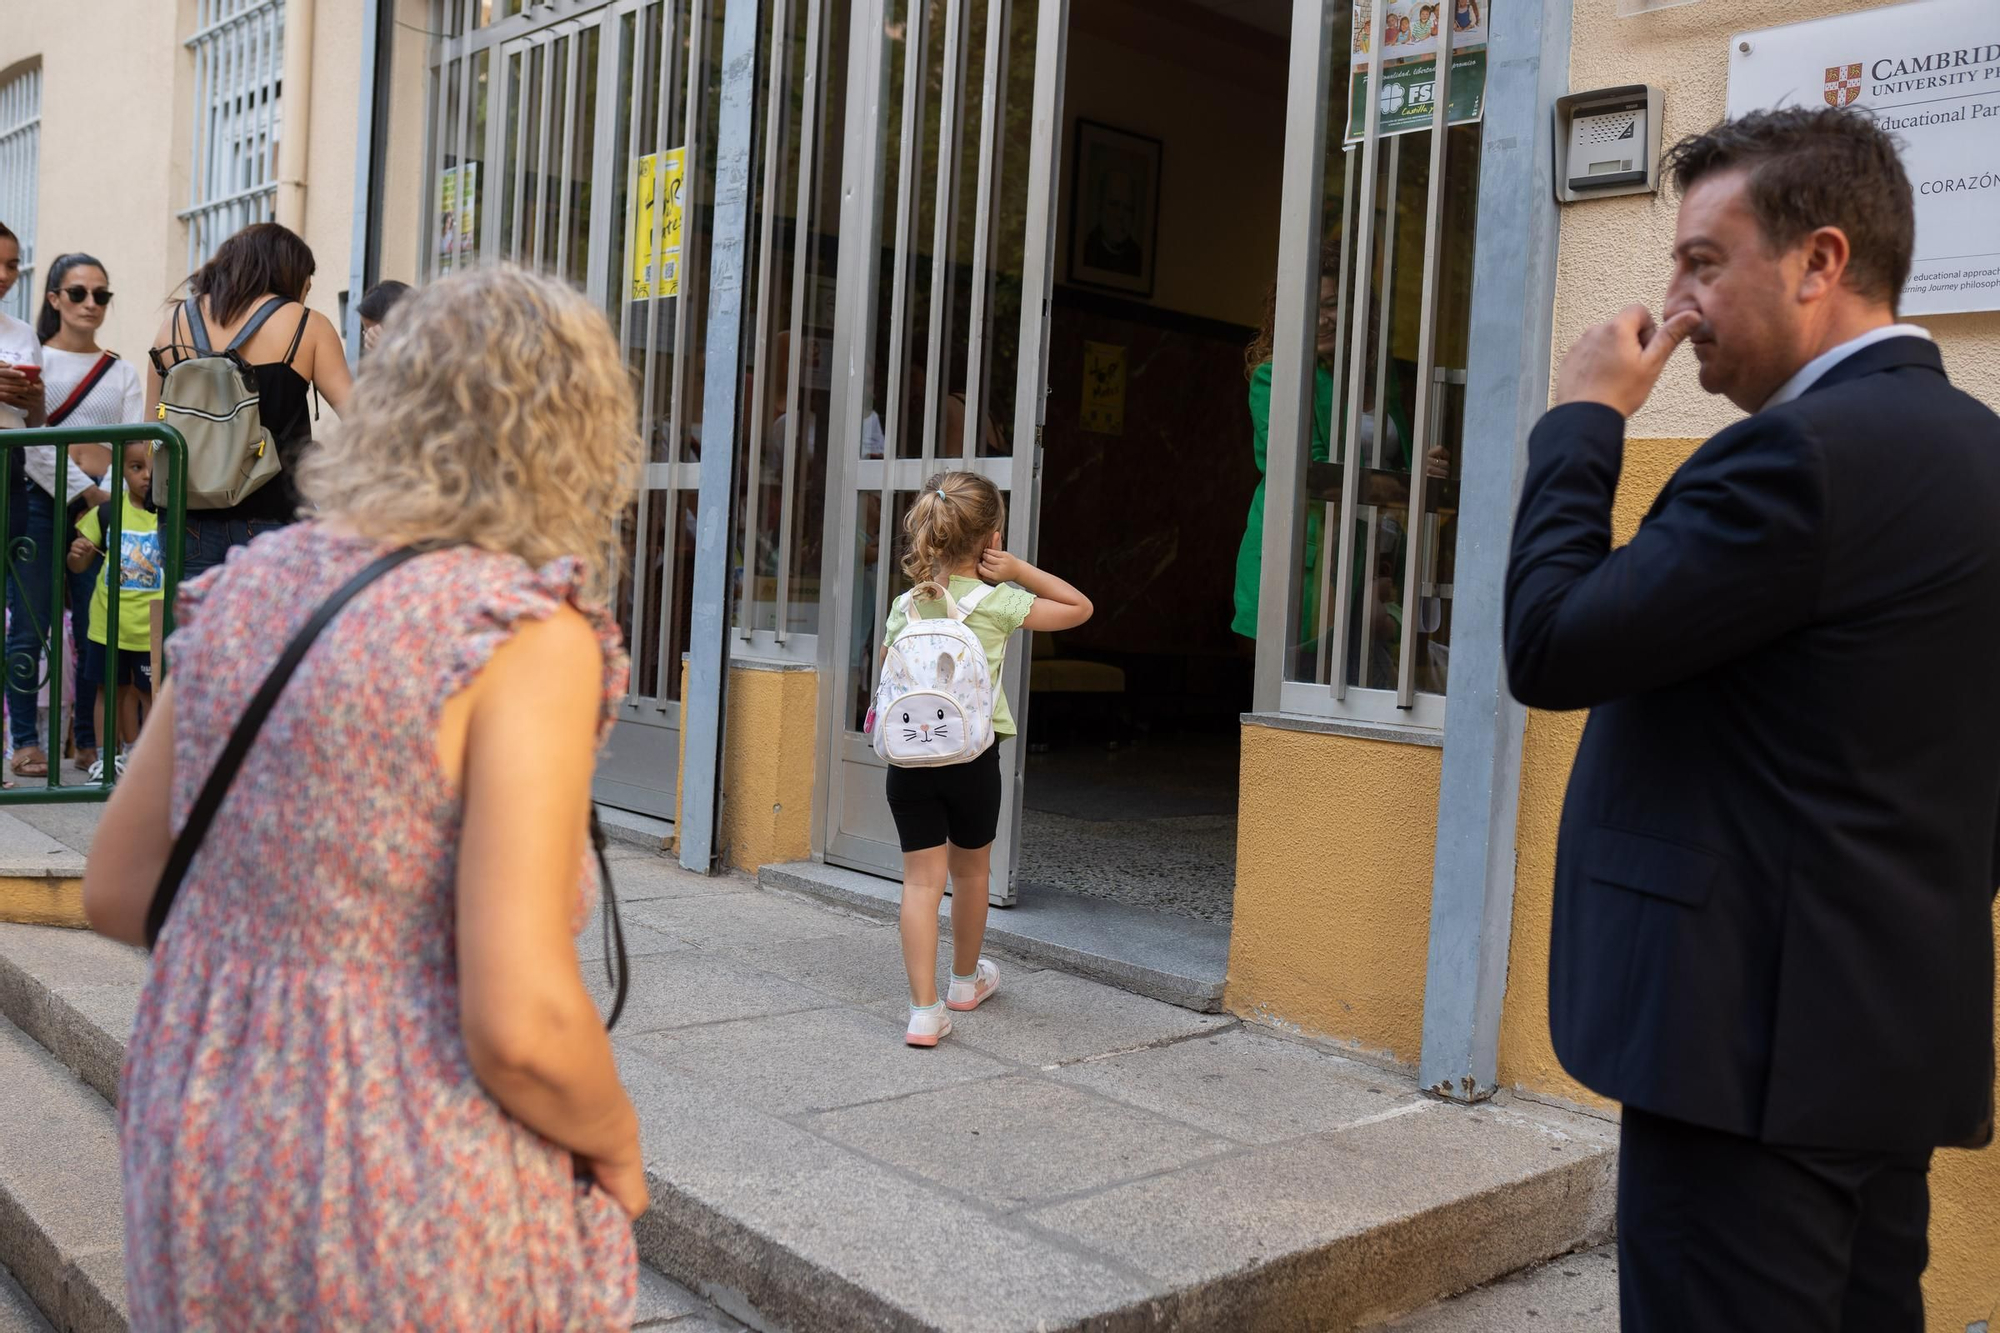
(141, 580)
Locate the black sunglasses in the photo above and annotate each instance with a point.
(77, 294)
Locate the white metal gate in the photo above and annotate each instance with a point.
(940, 346)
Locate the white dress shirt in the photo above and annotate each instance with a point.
(1809, 374)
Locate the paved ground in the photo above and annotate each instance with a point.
(1073, 1153)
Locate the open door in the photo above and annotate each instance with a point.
(940, 348)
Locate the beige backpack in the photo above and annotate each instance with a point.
(211, 398)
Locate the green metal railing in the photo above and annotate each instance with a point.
(28, 673)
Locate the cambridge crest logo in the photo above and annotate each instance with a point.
(1843, 85)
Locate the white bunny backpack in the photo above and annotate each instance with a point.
(934, 703)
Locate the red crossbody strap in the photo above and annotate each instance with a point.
(82, 391)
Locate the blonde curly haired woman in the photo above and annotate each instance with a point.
(367, 1086)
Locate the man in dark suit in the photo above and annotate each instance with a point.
(1773, 931)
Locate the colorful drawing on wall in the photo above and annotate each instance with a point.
(1104, 388)
(458, 214)
(1114, 209)
(1407, 34)
(660, 176)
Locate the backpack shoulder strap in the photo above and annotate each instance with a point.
(249, 330)
(197, 328)
(970, 602)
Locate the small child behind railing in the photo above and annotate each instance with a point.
(141, 581)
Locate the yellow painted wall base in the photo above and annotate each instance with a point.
(1333, 887)
(767, 766)
(41, 901)
(768, 763)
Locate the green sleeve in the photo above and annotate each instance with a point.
(1260, 413)
(1009, 606)
(90, 529)
(898, 619)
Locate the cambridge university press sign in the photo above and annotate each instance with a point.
(1929, 72)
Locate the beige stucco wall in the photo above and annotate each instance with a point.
(116, 138)
(116, 118)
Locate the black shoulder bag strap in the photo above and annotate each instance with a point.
(216, 788)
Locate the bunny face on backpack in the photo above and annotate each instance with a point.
(934, 703)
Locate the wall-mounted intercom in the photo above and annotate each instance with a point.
(1607, 143)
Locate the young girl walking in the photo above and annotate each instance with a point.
(947, 816)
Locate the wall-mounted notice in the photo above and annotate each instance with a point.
(1930, 73)
(1408, 33)
(661, 177)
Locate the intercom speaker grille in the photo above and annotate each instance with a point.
(1610, 128)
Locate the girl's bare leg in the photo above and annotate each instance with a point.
(971, 870)
(923, 889)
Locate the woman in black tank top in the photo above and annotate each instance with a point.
(261, 262)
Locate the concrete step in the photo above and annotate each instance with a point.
(1577, 1293)
(17, 1313)
(68, 999)
(62, 1222)
(1074, 1157)
(41, 877)
(1177, 959)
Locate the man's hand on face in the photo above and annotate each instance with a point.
(1618, 362)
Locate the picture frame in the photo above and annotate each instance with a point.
(1114, 209)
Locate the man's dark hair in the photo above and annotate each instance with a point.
(381, 299)
(1816, 167)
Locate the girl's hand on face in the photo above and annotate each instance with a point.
(996, 566)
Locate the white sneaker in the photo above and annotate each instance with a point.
(928, 1026)
(965, 995)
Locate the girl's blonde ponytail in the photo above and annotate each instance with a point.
(949, 524)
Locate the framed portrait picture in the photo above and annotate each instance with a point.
(1114, 209)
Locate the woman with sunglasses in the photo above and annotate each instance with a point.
(72, 311)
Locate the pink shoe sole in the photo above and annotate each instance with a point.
(972, 1004)
(918, 1039)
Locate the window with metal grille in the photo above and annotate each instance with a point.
(20, 157)
(239, 58)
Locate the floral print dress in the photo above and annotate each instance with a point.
(305, 1143)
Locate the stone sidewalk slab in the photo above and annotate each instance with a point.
(1016, 1142)
(1051, 1018)
(1172, 958)
(1246, 1085)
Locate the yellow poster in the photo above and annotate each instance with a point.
(659, 174)
(1104, 388)
(457, 213)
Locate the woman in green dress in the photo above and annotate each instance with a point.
(1327, 423)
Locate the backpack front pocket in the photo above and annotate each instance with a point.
(923, 728)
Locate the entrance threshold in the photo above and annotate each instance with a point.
(1172, 958)
(635, 829)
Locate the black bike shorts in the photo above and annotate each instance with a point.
(954, 803)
